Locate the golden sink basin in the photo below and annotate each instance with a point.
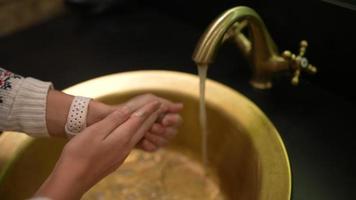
(247, 158)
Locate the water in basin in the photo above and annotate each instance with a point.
(165, 175)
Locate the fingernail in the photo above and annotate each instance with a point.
(139, 113)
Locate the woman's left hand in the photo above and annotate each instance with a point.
(166, 126)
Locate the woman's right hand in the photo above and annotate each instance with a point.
(98, 150)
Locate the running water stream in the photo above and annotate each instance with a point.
(202, 71)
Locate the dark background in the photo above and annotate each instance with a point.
(329, 29)
(316, 119)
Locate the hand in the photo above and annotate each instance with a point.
(99, 150)
(165, 128)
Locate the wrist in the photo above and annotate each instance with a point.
(97, 111)
(58, 104)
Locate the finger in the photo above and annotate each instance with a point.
(172, 119)
(170, 133)
(172, 107)
(157, 129)
(147, 145)
(109, 123)
(155, 139)
(128, 129)
(145, 127)
(166, 132)
(138, 101)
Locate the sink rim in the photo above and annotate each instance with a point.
(215, 95)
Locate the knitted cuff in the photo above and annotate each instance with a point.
(28, 113)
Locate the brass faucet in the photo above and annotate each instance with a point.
(258, 48)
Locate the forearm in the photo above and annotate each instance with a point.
(30, 105)
(64, 183)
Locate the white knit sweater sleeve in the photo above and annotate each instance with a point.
(23, 104)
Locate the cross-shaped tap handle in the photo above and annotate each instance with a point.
(299, 63)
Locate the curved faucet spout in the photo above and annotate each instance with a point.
(258, 48)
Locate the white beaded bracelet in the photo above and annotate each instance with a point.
(76, 119)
